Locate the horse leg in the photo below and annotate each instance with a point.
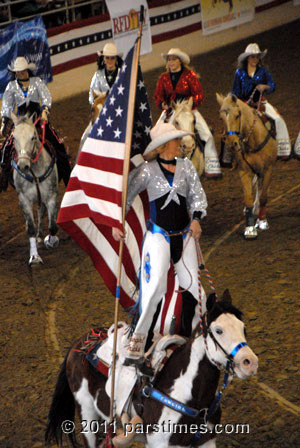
(26, 207)
(41, 214)
(262, 222)
(250, 230)
(51, 241)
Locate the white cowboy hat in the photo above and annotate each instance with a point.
(160, 134)
(252, 49)
(109, 50)
(20, 64)
(177, 52)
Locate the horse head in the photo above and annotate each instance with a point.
(25, 140)
(99, 100)
(183, 118)
(226, 337)
(231, 114)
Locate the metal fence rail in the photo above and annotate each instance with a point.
(54, 12)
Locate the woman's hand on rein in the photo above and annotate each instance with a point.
(118, 234)
(196, 230)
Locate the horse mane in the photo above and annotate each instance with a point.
(217, 307)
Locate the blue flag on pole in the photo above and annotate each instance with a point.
(28, 39)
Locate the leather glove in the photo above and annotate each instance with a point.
(45, 114)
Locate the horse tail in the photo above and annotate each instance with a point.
(62, 409)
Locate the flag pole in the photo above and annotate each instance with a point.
(128, 139)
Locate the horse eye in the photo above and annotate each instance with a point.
(176, 123)
(219, 331)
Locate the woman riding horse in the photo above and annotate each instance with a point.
(180, 82)
(28, 93)
(175, 194)
(109, 63)
(251, 80)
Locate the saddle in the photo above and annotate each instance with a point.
(126, 377)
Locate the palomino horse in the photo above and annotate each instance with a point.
(36, 181)
(255, 152)
(182, 394)
(183, 118)
(99, 100)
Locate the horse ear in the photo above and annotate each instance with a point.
(190, 102)
(211, 300)
(95, 93)
(234, 98)
(226, 296)
(220, 98)
(33, 117)
(14, 118)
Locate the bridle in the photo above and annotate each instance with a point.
(34, 159)
(229, 356)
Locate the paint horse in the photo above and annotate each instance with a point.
(182, 117)
(255, 152)
(182, 393)
(99, 100)
(36, 181)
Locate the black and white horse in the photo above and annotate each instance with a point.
(182, 394)
(36, 180)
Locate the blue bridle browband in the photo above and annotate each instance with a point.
(232, 133)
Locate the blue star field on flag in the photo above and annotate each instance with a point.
(112, 121)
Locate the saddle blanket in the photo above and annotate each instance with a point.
(126, 376)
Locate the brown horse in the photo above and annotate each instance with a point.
(255, 153)
(181, 396)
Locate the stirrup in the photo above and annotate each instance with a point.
(141, 364)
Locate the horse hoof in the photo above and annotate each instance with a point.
(51, 241)
(262, 224)
(250, 233)
(35, 260)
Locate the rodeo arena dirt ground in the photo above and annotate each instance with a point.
(44, 309)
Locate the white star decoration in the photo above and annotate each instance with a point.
(143, 107)
(112, 100)
(141, 84)
(109, 121)
(120, 90)
(117, 133)
(119, 112)
(124, 66)
(100, 131)
(104, 110)
(147, 129)
(137, 134)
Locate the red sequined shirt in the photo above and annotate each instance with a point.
(187, 85)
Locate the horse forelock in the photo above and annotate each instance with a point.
(221, 307)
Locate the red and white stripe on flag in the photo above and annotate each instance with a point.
(92, 202)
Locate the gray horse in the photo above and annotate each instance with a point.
(36, 181)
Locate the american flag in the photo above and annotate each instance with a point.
(92, 203)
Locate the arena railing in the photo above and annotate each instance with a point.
(54, 12)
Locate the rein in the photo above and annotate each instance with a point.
(43, 125)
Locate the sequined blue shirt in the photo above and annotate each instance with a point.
(243, 84)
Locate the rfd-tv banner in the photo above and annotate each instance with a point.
(28, 39)
(218, 15)
(124, 16)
